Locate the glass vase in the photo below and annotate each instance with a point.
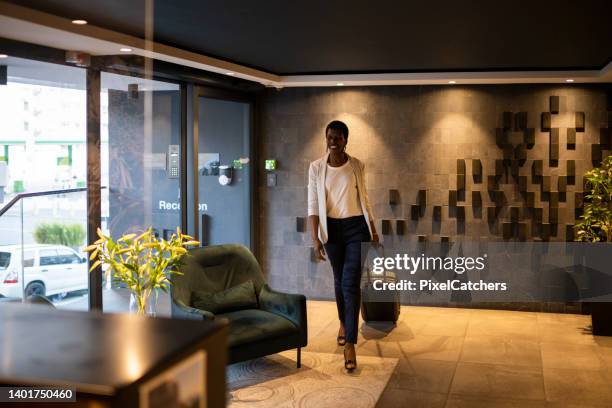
(144, 303)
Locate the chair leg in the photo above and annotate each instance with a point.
(299, 357)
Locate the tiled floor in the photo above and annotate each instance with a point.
(481, 358)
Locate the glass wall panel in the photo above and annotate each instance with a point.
(42, 150)
(140, 132)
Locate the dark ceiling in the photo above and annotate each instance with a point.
(316, 37)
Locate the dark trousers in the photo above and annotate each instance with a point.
(343, 248)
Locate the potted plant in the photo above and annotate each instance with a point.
(142, 262)
(596, 226)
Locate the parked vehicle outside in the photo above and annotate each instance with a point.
(47, 270)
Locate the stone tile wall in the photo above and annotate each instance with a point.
(411, 138)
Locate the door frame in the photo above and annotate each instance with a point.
(193, 83)
(192, 148)
(94, 160)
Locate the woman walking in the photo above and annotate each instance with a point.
(341, 219)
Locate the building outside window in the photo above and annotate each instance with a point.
(42, 146)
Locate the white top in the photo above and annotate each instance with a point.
(342, 195)
(317, 195)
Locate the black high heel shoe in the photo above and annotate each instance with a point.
(341, 340)
(349, 365)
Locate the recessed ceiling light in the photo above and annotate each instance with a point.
(3, 56)
(125, 49)
(569, 80)
(452, 82)
(231, 73)
(79, 22)
(340, 84)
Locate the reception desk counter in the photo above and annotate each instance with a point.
(113, 360)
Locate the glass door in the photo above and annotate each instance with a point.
(140, 172)
(224, 171)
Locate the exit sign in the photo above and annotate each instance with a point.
(271, 164)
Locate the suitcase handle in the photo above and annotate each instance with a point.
(379, 244)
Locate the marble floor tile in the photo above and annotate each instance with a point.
(501, 350)
(577, 386)
(442, 348)
(397, 397)
(383, 331)
(605, 356)
(498, 381)
(434, 311)
(563, 318)
(582, 404)
(423, 375)
(446, 326)
(572, 329)
(461, 401)
(568, 334)
(503, 314)
(379, 349)
(504, 325)
(570, 356)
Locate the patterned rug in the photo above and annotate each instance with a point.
(322, 382)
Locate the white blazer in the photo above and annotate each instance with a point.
(317, 202)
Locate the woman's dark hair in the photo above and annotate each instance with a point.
(339, 126)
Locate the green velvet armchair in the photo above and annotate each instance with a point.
(277, 321)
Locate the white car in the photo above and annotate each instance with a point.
(47, 269)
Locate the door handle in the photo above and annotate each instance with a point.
(44, 270)
(205, 229)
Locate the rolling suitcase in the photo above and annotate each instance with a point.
(378, 305)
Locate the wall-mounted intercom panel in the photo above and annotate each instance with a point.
(173, 161)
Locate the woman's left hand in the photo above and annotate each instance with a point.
(375, 237)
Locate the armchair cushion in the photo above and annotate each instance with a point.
(181, 310)
(252, 325)
(237, 297)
